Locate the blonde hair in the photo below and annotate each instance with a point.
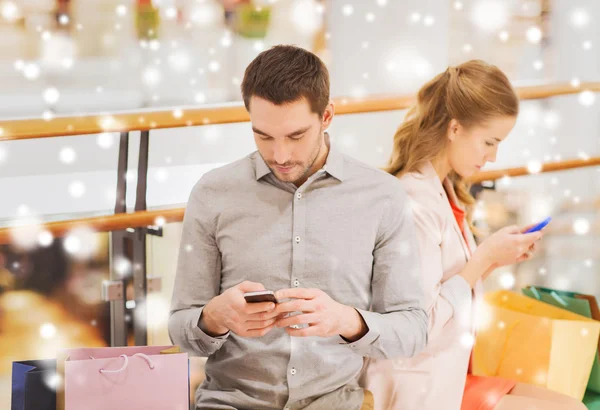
(471, 93)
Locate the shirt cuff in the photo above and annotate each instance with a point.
(207, 343)
(362, 346)
(458, 293)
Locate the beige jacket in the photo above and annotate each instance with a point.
(435, 379)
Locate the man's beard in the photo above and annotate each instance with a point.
(307, 168)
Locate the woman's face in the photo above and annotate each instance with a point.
(470, 148)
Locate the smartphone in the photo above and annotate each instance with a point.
(260, 296)
(539, 226)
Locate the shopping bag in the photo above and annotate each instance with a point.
(33, 385)
(591, 400)
(530, 341)
(585, 305)
(132, 378)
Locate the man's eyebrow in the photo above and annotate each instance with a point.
(291, 134)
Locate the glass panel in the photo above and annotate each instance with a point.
(53, 178)
(567, 258)
(552, 129)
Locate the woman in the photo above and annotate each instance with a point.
(460, 118)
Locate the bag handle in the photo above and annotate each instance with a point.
(535, 292)
(124, 356)
(553, 295)
(560, 300)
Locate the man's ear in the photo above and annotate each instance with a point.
(328, 115)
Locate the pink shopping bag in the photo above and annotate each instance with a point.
(132, 378)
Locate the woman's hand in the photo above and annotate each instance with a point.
(505, 247)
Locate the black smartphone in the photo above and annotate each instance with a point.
(260, 296)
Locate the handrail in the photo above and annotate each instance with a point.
(116, 222)
(493, 175)
(148, 119)
(119, 222)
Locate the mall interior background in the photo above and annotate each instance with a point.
(71, 57)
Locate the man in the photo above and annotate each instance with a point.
(330, 235)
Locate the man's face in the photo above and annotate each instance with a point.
(289, 137)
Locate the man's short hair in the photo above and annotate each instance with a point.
(284, 74)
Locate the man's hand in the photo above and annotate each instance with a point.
(325, 316)
(230, 311)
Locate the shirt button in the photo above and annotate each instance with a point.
(299, 195)
(297, 239)
(293, 371)
(296, 283)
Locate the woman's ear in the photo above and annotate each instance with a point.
(453, 129)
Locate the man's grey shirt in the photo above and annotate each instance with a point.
(348, 230)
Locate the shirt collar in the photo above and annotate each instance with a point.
(260, 167)
(334, 165)
(445, 187)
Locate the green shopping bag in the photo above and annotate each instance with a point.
(592, 400)
(584, 305)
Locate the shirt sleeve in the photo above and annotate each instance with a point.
(198, 277)
(443, 299)
(397, 322)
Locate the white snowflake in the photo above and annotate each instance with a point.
(200, 98)
(67, 155)
(121, 10)
(27, 230)
(214, 66)
(347, 10)
(51, 95)
(534, 166)
(161, 175)
(122, 266)
(579, 18)
(47, 331)
(105, 140)
(31, 71)
(581, 226)
(587, 98)
(45, 238)
(76, 189)
(81, 243)
(534, 34)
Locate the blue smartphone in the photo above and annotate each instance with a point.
(539, 226)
